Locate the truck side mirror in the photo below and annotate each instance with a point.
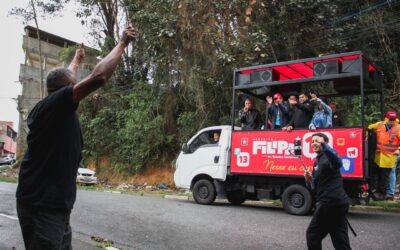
(185, 148)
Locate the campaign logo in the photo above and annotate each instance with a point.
(348, 165)
(243, 159)
(352, 152)
(272, 147)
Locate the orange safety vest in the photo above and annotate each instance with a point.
(387, 141)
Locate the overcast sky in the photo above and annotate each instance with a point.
(67, 26)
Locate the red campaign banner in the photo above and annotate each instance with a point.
(271, 152)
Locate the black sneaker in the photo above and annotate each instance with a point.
(378, 196)
(389, 197)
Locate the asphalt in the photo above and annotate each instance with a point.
(140, 222)
(10, 234)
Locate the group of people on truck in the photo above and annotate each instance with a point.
(302, 112)
(311, 112)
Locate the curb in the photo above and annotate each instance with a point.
(176, 197)
(375, 209)
(271, 204)
(2, 167)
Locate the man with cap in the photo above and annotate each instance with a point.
(387, 151)
(277, 111)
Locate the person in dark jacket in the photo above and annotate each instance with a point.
(250, 117)
(332, 203)
(277, 111)
(337, 119)
(302, 113)
(322, 117)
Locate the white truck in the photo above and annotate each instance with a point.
(260, 164)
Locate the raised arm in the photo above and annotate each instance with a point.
(332, 155)
(306, 106)
(76, 61)
(104, 69)
(327, 109)
(374, 126)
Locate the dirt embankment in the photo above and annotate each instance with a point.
(106, 175)
(150, 176)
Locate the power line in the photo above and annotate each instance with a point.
(365, 10)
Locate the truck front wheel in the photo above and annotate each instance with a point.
(204, 192)
(235, 197)
(296, 199)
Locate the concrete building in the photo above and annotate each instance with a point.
(8, 137)
(33, 90)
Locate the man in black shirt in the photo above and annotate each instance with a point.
(302, 113)
(250, 117)
(337, 119)
(332, 202)
(47, 190)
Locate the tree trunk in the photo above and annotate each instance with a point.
(41, 86)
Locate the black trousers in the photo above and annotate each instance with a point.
(332, 220)
(379, 178)
(44, 230)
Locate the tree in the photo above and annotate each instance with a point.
(46, 8)
(178, 77)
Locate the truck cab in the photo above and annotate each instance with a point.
(203, 158)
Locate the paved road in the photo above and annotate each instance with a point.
(137, 222)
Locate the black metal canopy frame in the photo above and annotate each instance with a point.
(350, 74)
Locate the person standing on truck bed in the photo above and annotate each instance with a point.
(337, 119)
(322, 117)
(277, 111)
(46, 190)
(302, 113)
(250, 117)
(332, 203)
(387, 150)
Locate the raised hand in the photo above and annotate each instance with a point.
(308, 176)
(128, 35)
(313, 97)
(269, 100)
(80, 53)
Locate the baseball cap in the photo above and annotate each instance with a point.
(277, 96)
(391, 115)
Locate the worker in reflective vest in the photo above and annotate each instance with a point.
(387, 150)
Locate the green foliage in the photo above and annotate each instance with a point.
(178, 77)
(45, 8)
(141, 135)
(68, 53)
(185, 125)
(8, 179)
(385, 204)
